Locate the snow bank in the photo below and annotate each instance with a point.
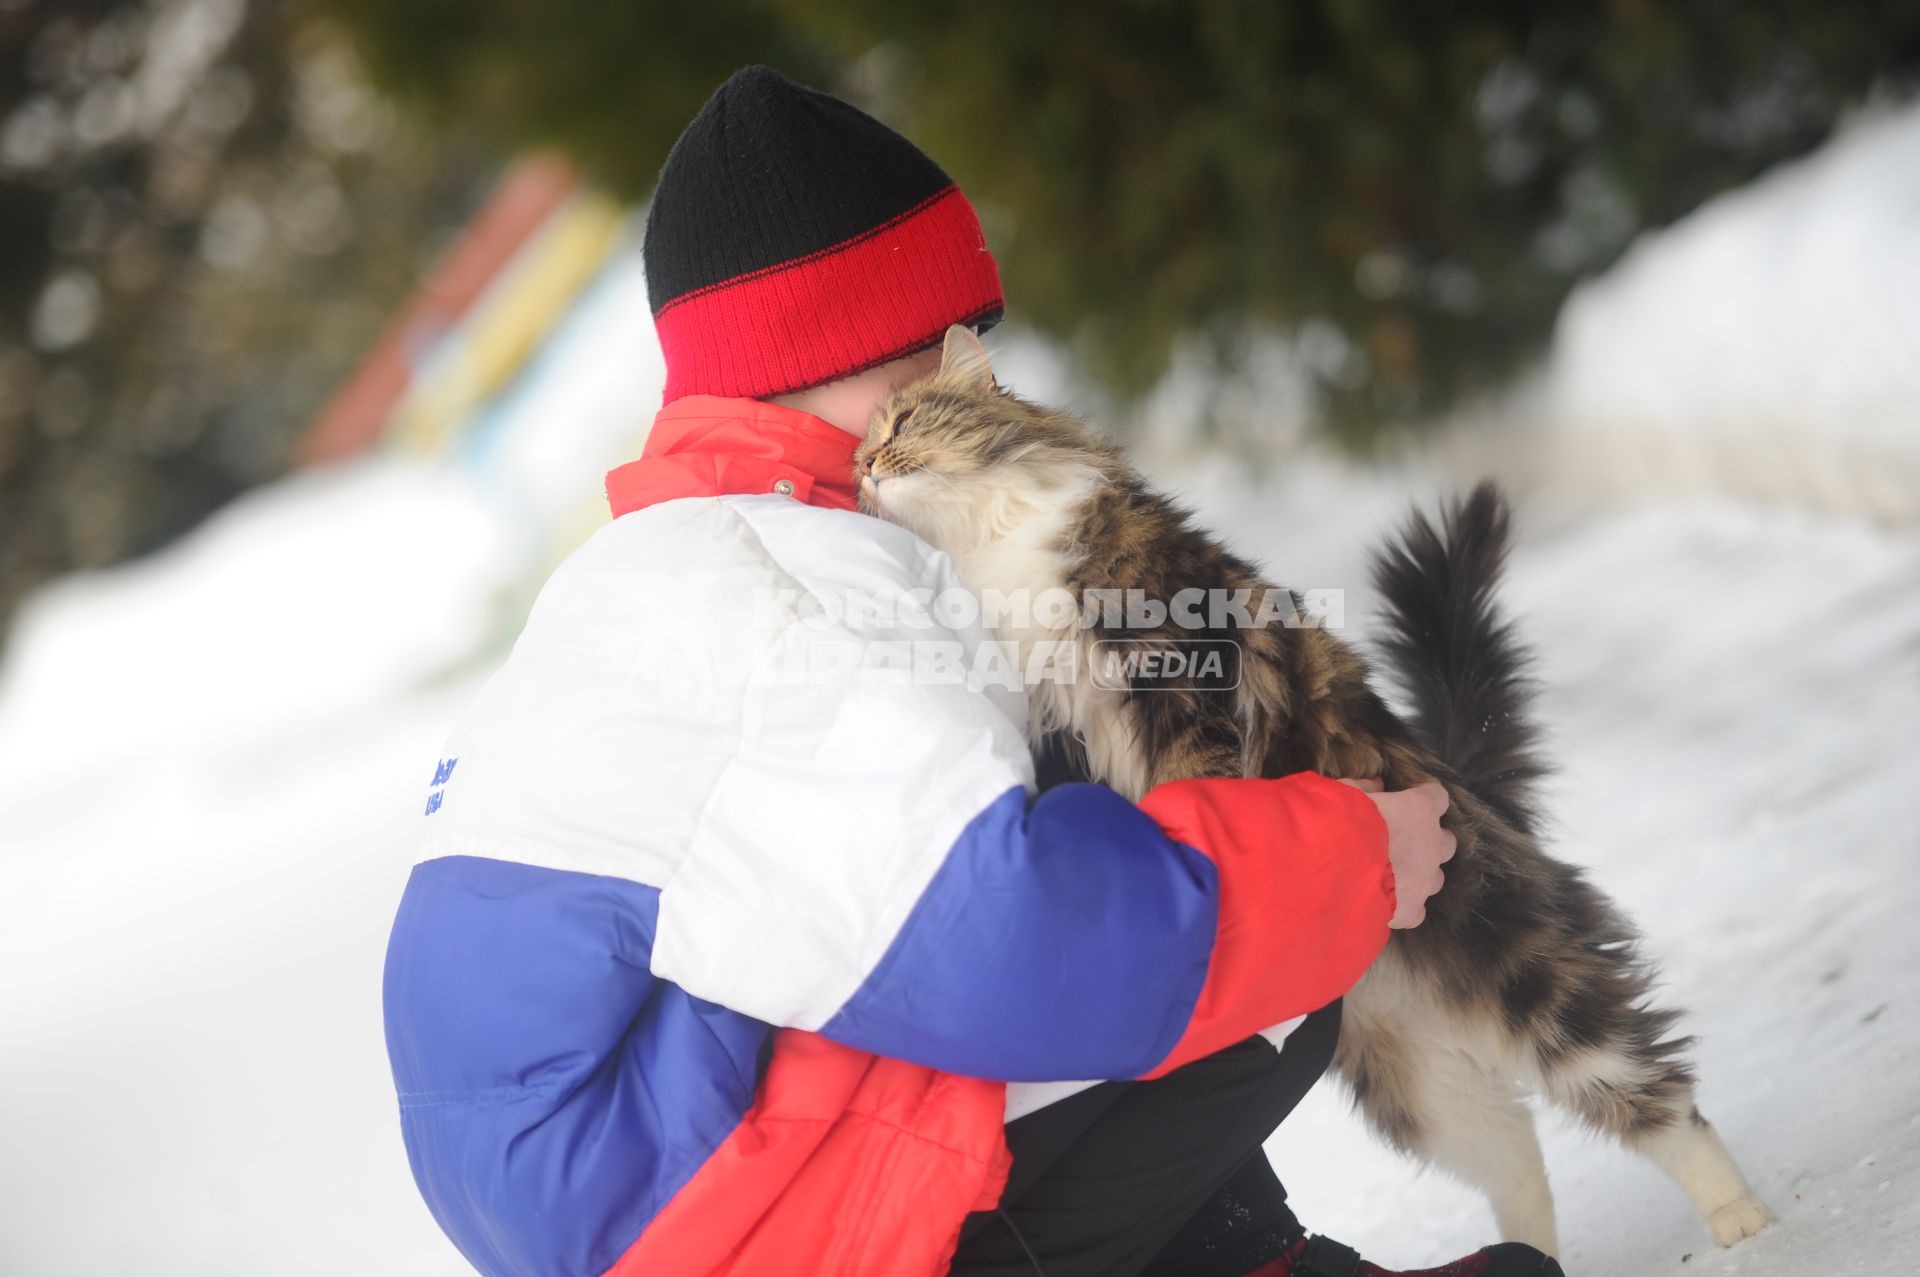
(335, 587)
(210, 766)
(1805, 287)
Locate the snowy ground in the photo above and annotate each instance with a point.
(211, 765)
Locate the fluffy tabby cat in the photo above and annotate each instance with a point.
(1524, 977)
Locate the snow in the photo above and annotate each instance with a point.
(212, 764)
(1819, 257)
(331, 586)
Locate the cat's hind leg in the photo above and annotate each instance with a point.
(1453, 1110)
(1689, 1150)
(1637, 1088)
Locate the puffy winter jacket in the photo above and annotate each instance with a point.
(722, 946)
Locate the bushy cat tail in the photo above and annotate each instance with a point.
(1457, 660)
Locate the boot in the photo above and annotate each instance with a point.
(1324, 1257)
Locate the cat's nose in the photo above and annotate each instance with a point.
(865, 467)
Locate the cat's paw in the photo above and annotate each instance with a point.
(1738, 1220)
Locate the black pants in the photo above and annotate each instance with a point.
(1153, 1179)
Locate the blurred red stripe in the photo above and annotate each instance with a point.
(352, 419)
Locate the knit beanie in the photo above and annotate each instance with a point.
(794, 239)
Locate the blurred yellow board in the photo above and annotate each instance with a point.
(507, 325)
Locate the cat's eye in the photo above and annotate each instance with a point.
(900, 422)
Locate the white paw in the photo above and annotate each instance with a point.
(1738, 1220)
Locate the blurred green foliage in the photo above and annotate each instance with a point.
(206, 215)
(1423, 182)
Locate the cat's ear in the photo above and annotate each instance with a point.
(964, 360)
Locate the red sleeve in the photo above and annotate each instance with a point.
(1305, 895)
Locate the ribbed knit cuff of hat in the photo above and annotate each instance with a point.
(793, 240)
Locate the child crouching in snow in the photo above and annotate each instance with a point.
(717, 963)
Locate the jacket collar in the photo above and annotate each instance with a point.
(708, 446)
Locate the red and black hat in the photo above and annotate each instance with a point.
(794, 239)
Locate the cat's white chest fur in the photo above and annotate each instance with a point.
(1021, 581)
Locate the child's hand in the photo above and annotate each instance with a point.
(1416, 844)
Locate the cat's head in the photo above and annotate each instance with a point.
(962, 462)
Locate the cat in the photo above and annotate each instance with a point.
(1524, 976)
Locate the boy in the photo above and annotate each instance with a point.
(720, 958)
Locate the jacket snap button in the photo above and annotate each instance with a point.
(783, 486)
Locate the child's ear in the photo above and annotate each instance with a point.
(964, 360)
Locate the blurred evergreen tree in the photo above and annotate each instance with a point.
(1425, 181)
(206, 215)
